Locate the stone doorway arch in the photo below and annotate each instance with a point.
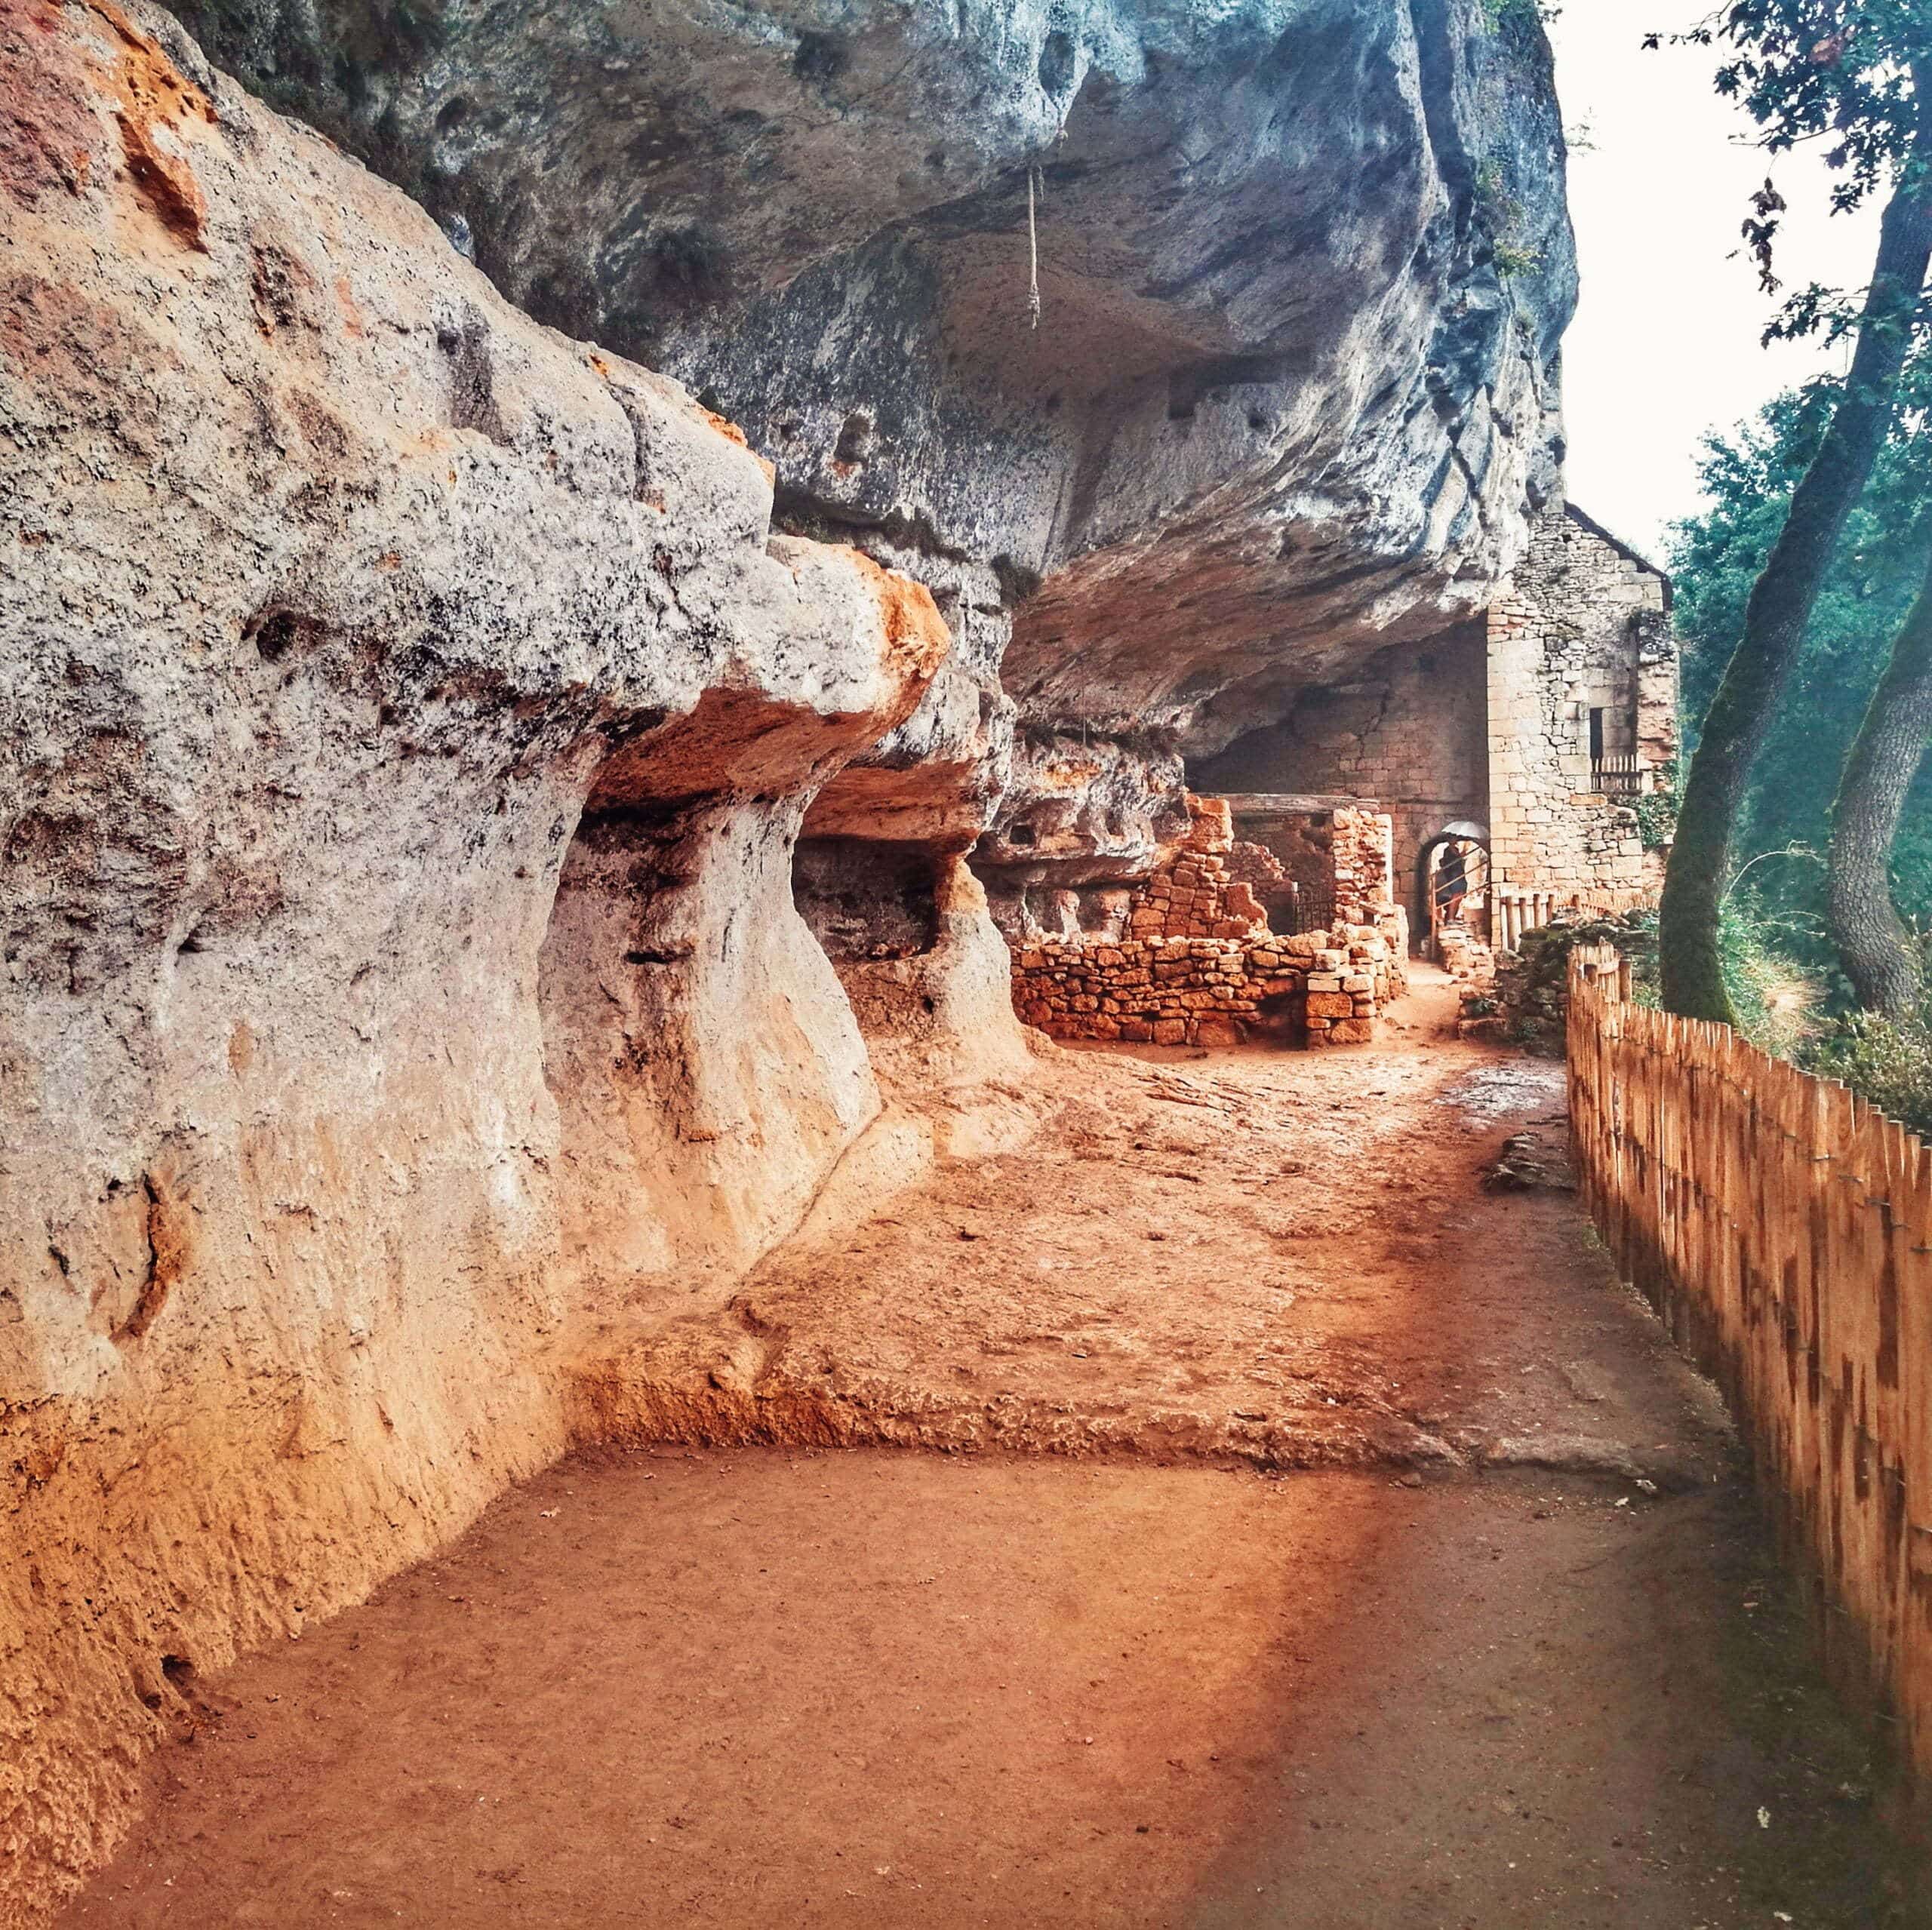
(1453, 884)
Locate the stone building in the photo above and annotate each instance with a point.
(1519, 741)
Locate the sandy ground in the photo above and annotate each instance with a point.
(1281, 1257)
(1515, 1655)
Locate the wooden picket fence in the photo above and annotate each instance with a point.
(1514, 913)
(1782, 1228)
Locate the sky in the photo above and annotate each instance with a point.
(1665, 346)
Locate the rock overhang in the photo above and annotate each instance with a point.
(1304, 265)
(355, 1069)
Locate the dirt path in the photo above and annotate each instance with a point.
(1536, 1672)
(1254, 1255)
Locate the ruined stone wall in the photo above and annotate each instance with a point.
(1191, 893)
(1582, 627)
(1408, 731)
(1303, 989)
(1197, 965)
(1301, 847)
(1362, 856)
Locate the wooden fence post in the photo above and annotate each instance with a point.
(1782, 1229)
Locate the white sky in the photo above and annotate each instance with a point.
(1665, 344)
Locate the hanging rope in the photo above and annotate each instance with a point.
(1033, 245)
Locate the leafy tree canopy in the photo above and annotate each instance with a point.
(1877, 568)
(1846, 75)
(1844, 72)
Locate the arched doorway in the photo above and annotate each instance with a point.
(1452, 886)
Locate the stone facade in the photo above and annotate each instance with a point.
(1533, 730)
(1409, 732)
(1582, 677)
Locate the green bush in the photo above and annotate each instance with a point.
(1885, 1060)
(1500, 13)
(1546, 953)
(1777, 1002)
(1514, 258)
(1657, 810)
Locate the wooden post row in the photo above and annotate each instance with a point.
(1782, 1229)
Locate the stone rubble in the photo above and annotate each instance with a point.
(1198, 965)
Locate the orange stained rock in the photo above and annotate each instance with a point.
(153, 95)
(731, 432)
(1212, 825)
(47, 128)
(1072, 777)
(915, 633)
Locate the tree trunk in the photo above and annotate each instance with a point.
(1780, 607)
(1877, 952)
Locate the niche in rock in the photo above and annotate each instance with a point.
(706, 1066)
(864, 899)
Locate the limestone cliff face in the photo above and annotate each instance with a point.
(406, 717)
(1303, 267)
(472, 829)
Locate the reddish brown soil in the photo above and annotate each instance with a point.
(726, 1688)
(1282, 1258)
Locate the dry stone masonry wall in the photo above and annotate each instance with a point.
(1578, 646)
(1533, 730)
(1408, 730)
(1197, 965)
(1191, 894)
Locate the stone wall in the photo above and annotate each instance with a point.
(1192, 893)
(1312, 988)
(1300, 845)
(1489, 727)
(1583, 627)
(1361, 853)
(1407, 733)
(1197, 964)
(1319, 861)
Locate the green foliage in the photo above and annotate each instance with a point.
(1514, 258)
(1501, 13)
(1501, 213)
(1887, 1061)
(1846, 73)
(1657, 810)
(1533, 989)
(1855, 72)
(1877, 569)
(1837, 70)
(1776, 999)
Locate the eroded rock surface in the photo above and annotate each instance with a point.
(409, 717)
(477, 829)
(1302, 268)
